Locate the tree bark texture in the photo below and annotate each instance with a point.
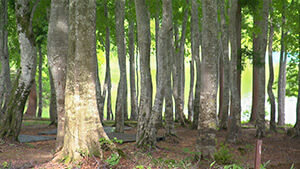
(5, 81)
(282, 72)
(195, 54)
(209, 82)
(40, 110)
(121, 103)
(259, 50)
(57, 51)
(110, 115)
(196, 43)
(178, 72)
(226, 67)
(32, 101)
(11, 125)
(235, 105)
(52, 107)
(165, 51)
(83, 127)
(144, 41)
(133, 96)
(271, 71)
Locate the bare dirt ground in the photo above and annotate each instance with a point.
(175, 152)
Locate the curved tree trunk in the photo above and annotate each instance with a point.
(209, 82)
(144, 41)
(121, 103)
(271, 71)
(57, 51)
(11, 124)
(110, 115)
(83, 127)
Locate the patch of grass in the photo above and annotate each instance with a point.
(31, 122)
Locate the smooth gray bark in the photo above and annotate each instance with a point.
(144, 42)
(226, 67)
(121, 103)
(209, 82)
(282, 71)
(235, 105)
(57, 51)
(259, 49)
(83, 127)
(133, 96)
(107, 85)
(52, 106)
(197, 35)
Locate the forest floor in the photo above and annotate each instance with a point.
(279, 149)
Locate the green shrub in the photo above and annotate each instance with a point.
(223, 156)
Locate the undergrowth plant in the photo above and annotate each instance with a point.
(114, 158)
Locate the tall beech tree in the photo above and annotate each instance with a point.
(121, 102)
(282, 68)
(83, 127)
(11, 123)
(144, 42)
(209, 82)
(235, 104)
(259, 50)
(225, 75)
(57, 51)
(5, 81)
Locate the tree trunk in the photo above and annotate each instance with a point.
(11, 124)
(235, 105)
(110, 115)
(133, 97)
(32, 101)
(239, 46)
(178, 75)
(5, 81)
(83, 127)
(57, 51)
(40, 110)
(271, 71)
(259, 50)
(144, 41)
(209, 82)
(226, 67)
(196, 42)
(121, 103)
(195, 54)
(52, 106)
(282, 73)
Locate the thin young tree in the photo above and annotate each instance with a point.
(271, 71)
(121, 103)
